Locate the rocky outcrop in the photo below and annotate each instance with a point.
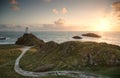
(77, 37)
(2, 38)
(91, 35)
(29, 39)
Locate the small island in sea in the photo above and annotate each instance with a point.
(92, 35)
(77, 37)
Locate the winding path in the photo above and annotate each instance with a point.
(76, 74)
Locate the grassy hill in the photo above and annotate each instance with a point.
(100, 58)
(8, 55)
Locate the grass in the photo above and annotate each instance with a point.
(32, 59)
(8, 55)
(69, 61)
(112, 72)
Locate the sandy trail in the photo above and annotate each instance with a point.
(75, 74)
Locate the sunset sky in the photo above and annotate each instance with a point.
(60, 15)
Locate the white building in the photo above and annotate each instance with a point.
(26, 30)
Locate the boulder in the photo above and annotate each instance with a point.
(44, 68)
(28, 39)
(91, 35)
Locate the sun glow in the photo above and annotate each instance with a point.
(103, 24)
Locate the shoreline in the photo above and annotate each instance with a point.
(59, 36)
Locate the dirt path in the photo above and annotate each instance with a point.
(76, 74)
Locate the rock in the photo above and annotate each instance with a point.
(91, 35)
(2, 38)
(77, 37)
(28, 39)
(44, 68)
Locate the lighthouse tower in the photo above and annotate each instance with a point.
(26, 30)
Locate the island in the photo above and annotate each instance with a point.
(28, 39)
(77, 37)
(92, 35)
(2, 38)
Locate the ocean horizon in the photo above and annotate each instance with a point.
(110, 37)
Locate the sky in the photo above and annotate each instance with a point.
(59, 15)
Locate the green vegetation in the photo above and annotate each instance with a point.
(99, 58)
(8, 55)
(62, 59)
(112, 72)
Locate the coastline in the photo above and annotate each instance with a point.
(63, 36)
(13, 48)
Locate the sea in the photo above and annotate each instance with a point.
(63, 36)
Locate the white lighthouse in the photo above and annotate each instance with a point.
(26, 30)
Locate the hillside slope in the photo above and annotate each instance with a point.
(71, 54)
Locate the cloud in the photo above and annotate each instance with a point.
(3, 26)
(119, 15)
(11, 27)
(64, 11)
(116, 15)
(116, 6)
(16, 8)
(55, 11)
(40, 27)
(54, 27)
(14, 5)
(14, 2)
(48, 27)
(116, 9)
(59, 22)
(47, 0)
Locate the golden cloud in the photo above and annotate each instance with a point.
(13, 2)
(55, 11)
(64, 11)
(59, 22)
